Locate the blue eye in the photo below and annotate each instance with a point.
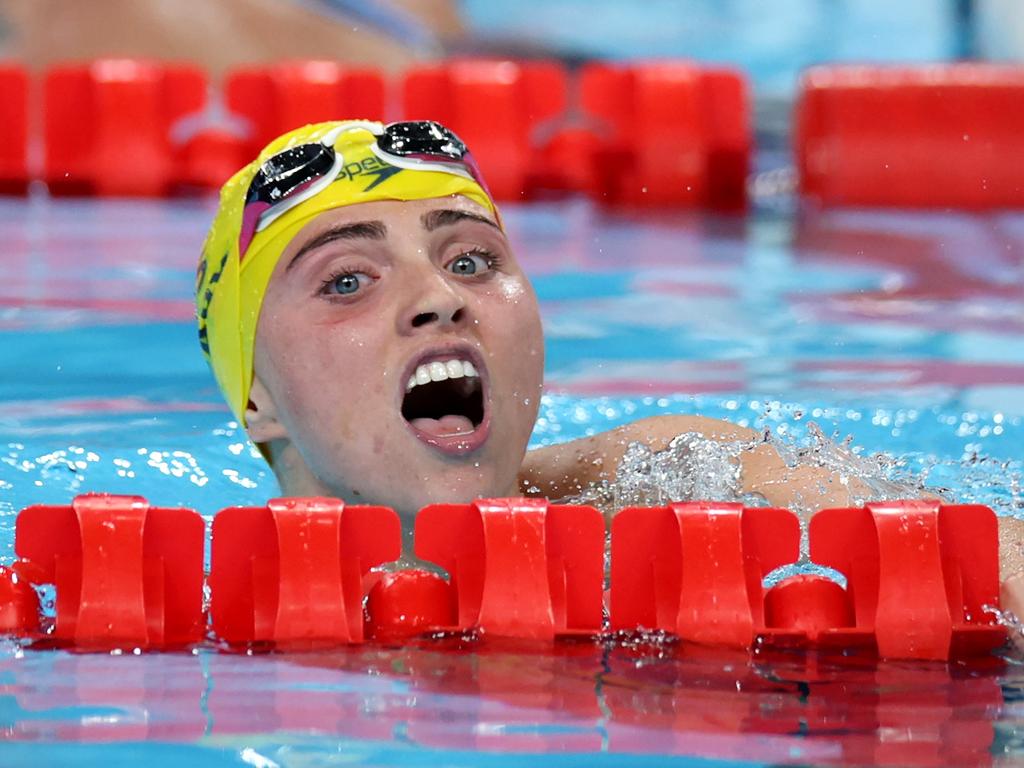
(345, 284)
(471, 263)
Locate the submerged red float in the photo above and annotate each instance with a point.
(922, 577)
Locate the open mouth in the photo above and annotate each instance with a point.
(444, 402)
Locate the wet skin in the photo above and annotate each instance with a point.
(358, 298)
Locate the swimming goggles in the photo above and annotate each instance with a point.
(298, 173)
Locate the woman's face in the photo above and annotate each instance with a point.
(399, 351)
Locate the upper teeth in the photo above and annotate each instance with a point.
(439, 371)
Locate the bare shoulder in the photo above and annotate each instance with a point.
(1011, 546)
(560, 470)
(564, 470)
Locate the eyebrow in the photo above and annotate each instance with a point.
(360, 230)
(447, 217)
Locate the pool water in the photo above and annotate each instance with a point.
(902, 332)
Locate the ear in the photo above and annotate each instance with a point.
(261, 415)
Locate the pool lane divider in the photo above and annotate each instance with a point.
(922, 577)
(293, 570)
(669, 133)
(967, 113)
(125, 573)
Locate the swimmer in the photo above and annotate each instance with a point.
(370, 326)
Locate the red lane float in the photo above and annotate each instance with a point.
(926, 136)
(404, 604)
(672, 133)
(126, 573)
(19, 604)
(495, 107)
(922, 578)
(647, 134)
(519, 567)
(209, 158)
(292, 571)
(107, 125)
(283, 96)
(653, 134)
(696, 569)
(13, 129)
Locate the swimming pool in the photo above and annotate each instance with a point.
(904, 331)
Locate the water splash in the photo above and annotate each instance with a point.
(879, 476)
(694, 467)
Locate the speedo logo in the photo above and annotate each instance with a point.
(372, 167)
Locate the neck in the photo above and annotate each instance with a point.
(293, 475)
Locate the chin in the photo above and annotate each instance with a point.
(460, 485)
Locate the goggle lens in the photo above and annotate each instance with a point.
(282, 174)
(421, 138)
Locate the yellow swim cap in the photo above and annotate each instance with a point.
(295, 178)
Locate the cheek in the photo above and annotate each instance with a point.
(514, 290)
(323, 370)
(516, 318)
(521, 303)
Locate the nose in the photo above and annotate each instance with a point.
(437, 303)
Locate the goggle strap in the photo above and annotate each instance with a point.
(415, 164)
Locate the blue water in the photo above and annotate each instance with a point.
(772, 42)
(902, 331)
